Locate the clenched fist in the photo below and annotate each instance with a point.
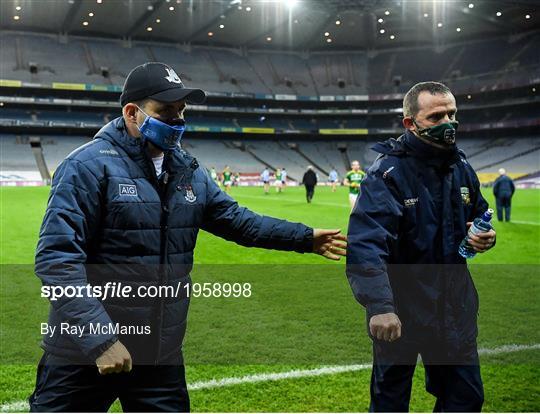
(114, 360)
(385, 327)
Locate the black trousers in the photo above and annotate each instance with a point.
(455, 382)
(310, 190)
(80, 388)
(504, 205)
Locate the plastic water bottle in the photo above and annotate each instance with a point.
(479, 225)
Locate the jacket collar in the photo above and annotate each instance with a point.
(436, 157)
(409, 144)
(391, 146)
(116, 133)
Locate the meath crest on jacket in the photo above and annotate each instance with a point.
(465, 196)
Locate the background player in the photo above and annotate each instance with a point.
(278, 183)
(227, 178)
(265, 178)
(333, 179)
(283, 178)
(353, 179)
(214, 175)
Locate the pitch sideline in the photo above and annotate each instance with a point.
(18, 406)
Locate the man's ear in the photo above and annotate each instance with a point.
(408, 123)
(129, 111)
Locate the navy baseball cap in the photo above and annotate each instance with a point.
(158, 81)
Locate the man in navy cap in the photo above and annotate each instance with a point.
(127, 208)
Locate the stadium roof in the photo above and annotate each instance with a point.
(277, 24)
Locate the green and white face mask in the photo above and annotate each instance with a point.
(442, 134)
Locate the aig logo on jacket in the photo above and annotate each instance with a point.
(127, 189)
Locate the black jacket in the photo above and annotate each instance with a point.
(310, 178)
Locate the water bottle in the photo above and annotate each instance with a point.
(479, 225)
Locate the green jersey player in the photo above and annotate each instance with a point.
(354, 179)
(227, 178)
(278, 182)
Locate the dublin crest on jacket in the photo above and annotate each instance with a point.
(190, 195)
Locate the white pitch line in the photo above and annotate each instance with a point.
(505, 349)
(276, 376)
(330, 370)
(532, 223)
(18, 406)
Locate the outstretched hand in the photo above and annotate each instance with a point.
(329, 243)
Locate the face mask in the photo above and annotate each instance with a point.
(443, 134)
(162, 135)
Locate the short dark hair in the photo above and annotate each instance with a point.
(141, 103)
(410, 101)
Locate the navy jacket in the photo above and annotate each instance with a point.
(503, 187)
(403, 239)
(110, 219)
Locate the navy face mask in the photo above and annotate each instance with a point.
(162, 135)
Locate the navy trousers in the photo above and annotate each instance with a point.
(310, 190)
(455, 381)
(504, 205)
(80, 388)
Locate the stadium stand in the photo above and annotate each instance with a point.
(228, 70)
(277, 154)
(218, 154)
(325, 156)
(57, 148)
(33, 58)
(16, 154)
(519, 156)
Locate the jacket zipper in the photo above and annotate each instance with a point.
(162, 191)
(163, 256)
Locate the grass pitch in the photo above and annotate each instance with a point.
(302, 314)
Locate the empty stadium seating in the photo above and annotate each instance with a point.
(16, 154)
(100, 61)
(229, 70)
(518, 155)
